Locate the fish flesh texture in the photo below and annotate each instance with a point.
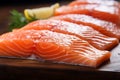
(87, 33)
(16, 44)
(51, 46)
(99, 2)
(105, 27)
(103, 12)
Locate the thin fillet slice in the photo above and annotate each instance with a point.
(108, 13)
(94, 37)
(105, 27)
(99, 2)
(63, 48)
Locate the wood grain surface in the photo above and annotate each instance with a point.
(26, 69)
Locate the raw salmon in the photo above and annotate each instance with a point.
(108, 13)
(62, 48)
(94, 37)
(16, 44)
(107, 28)
(51, 46)
(99, 2)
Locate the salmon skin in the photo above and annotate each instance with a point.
(99, 2)
(51, 46)
(105, 27)
(108, 13)
(87, 33)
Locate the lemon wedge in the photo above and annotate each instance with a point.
(40, 13)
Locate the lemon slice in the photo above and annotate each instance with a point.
(40, 13)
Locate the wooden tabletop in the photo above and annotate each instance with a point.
(25, 69)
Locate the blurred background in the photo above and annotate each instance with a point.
(4, 2)
(8, 5)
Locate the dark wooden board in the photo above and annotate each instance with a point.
(26, 69)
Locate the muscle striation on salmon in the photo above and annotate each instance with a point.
(87, 33)
(51, 46)
(98, 2)
(103, 12)
(105, 27)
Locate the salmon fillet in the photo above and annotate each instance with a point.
(99, 2)
(108, 13)
(51, 46)
(87, 33)
(16, 44)
(105, 27)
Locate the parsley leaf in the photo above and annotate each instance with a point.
(17, 20)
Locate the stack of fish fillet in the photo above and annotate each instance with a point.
(80, 33)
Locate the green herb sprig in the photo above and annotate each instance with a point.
(18, 20)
